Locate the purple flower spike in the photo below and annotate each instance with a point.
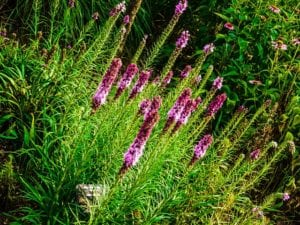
(176, 110)
(217, 85)
(186, 71)
(229, 26)
(216, 104)
(183, 39)
(167, 78)
(140, 83)
(190, 106)
(286, 196)
(279, 45)
(103, 89)
(71, 3)
(117, 9)
(255, 154)
(201, 148)
(144, 107)
(135, 151)
(209, 48)
(126, 19)
(127, 78)
(181, 7)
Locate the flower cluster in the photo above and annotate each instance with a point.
(286, 196)
(209, 48)
(229, 26)
(255, 154)
(217, 85)
(126, 19)
(71, 3)
(104, 88)
(135, 151)
(117, 9)
(201, 148)
(181, 7)
(216, 104)
(140, 83)
(95, 16)
(190, 106)
(127, 78)
(186, 71)
(183, 39)
(274, 9)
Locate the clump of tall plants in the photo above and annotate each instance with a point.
(155, 140)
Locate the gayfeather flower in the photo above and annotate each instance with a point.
(201, 148)
(217, 85)
(209, 48)
(274, 9)
(183, 39)
(176, 110)
(135, 151)
(103, 89)
(286, 196)
(127, 78)
(242, 109)
(279, 45)
(3, 33)
(144, 107)
(229, 26)
(126, 19)
(71, 3)
(216, 104)
(140, 83)
(190, 106)
(117, 9)
(95, 16)
(186, 71)
(181, 7)
(156, 80)
(167, 78)
(255, 154)
(198, 79)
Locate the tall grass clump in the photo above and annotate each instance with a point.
(89, 136)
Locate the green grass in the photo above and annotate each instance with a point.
(50, 142)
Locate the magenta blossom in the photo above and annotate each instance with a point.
(201, 148)
(176, 110)
(135, 151)
(144, 107)
(255, 154)
(217, 85)
(126, 19)
(216, 104)
(183, 39)
(140, 83)
(274, 9)
(286, 196)
(181, 7)
(186, 71)
(229, 26)
(117, 9)
(104, 88)
(209, 48)
(127, 78)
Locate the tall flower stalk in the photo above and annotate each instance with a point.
(179, 9)
(201, 148)
(139, 50)
(175, 112)
(104, 88)
(140, 83)
(126, 79)
(135, 151)
(180, 44)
